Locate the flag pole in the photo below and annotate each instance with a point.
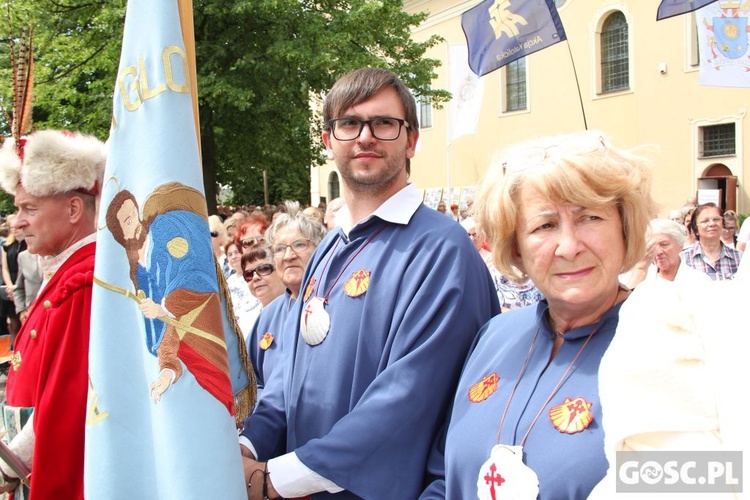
(185, 9)
(578, 86)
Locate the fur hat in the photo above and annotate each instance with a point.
(53, 162)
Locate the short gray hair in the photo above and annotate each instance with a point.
(669, 228)
(310, 228)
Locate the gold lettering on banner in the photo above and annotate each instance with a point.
(94, 415)
(174, 50)
(125, 89)
(136, 83)
(146, 92)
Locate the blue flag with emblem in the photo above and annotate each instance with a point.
(160, 410)
(500, 31)
(671, 8)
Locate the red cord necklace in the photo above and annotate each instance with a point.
(315, 321)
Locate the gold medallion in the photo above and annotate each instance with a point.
(484, 388)
(572, 416)
(266, 341)
(358, 283)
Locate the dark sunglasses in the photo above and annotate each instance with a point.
(261, 270)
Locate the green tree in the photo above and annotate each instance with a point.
(261, 63)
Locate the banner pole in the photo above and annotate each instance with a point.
(578, 86)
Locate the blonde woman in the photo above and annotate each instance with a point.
(569, 212)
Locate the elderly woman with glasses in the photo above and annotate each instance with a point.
(291, 239)
(709, 254)
(570, 213)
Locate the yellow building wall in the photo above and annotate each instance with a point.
(663, 107)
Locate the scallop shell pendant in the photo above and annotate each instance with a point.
(505, 476)
(315, 321)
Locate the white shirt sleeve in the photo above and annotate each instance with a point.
(291, 478)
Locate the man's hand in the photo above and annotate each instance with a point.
(254, 477)
(22, 316)
(161, 384)
(151, 309)
(255, 474)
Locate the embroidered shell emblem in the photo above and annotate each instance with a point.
(484, 388)
(572, 416)
(358, 283)
(266, 341)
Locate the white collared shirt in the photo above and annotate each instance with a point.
(398, 209)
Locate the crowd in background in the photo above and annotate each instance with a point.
(240, 230)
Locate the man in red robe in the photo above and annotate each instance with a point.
(56, 178)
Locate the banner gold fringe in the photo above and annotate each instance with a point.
(244, 401)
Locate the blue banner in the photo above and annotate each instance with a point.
(671, 8)
(160, 410)
(500, 31)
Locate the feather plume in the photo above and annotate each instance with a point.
(23, 84)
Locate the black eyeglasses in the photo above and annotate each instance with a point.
(249, 242)
(383, 128)
(261, 270)
(214, 234)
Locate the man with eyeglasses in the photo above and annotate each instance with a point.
(391, 300)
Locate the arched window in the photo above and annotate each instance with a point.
(333, 186)
(614, 46)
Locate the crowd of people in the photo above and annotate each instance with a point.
(499, 349)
